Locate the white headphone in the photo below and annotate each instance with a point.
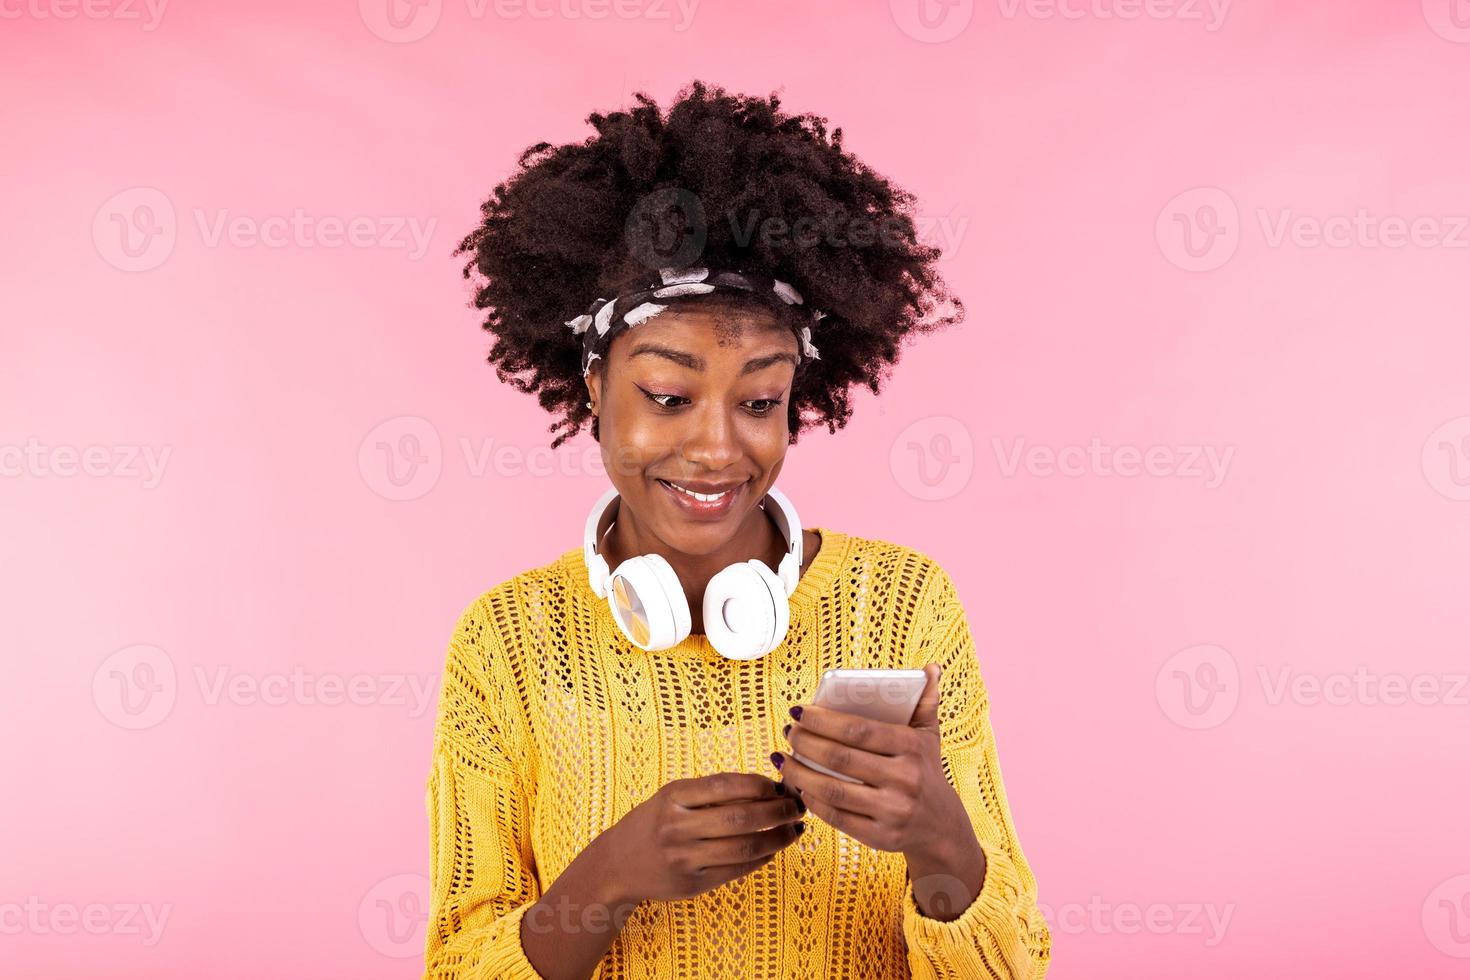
(746, 605)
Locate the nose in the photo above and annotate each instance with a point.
(711, 442)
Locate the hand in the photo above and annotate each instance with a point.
(696, 834)
(904, 802)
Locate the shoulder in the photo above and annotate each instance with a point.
(907, 567)
(914, 590)
(495, 622)
(506, 595)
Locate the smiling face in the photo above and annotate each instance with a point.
(694, 402)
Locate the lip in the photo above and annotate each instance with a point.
(699, 509)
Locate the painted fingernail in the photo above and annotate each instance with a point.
(796, 712)
(786, 732)
(800, 806)
(800, 826)
(780, 789)
(776, 759)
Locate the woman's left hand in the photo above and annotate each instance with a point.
(904, 803)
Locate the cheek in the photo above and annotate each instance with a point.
(769, 438)
(765, 440)
(624, 459)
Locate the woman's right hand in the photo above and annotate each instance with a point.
(696, 834)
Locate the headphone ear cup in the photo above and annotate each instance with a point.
(648, 604)
(746, 611)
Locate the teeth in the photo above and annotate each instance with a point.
(706, 497)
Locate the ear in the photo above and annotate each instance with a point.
(594, 389)
(926, 715)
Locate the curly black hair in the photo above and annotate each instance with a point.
(721, 180)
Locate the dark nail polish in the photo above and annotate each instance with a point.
(796, 712)
(786, 732)
(776, 759)
(780, 789)
(800, 806)
(800, 826)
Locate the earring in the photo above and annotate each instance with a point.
(589, 404)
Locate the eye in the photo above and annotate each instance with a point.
(760, 407)
(771, 404)
(654, 397)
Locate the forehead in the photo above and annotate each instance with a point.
(710, 328)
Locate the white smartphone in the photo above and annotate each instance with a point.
(881, 694)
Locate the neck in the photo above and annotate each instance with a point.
(757, 537)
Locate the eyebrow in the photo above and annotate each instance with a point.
(697, 363)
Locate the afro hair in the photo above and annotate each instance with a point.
(721, 180)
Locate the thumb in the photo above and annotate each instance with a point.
(926, 715)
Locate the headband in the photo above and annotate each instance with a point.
(608, 317)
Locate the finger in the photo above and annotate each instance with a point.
(724, 787)
(879, 737)
(749, 847)
(819, 788)
(735, 819)
(724, 874)
(926, 714)
(870, 767)
(864, 830)
(858, 826)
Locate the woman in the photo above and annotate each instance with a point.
(613, 790)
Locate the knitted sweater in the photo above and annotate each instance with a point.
(551, 727)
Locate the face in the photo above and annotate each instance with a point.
(695, 400)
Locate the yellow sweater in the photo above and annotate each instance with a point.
(551, 727)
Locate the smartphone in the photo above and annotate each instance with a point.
(885, 695)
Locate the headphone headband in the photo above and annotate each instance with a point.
(601, 517)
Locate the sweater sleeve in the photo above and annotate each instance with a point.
(1002, 933)
(482, 878)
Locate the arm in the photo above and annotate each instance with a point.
(487, 916)
(1000, 932)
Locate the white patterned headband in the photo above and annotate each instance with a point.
(608, 317)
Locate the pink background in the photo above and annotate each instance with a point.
(1132, 629)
